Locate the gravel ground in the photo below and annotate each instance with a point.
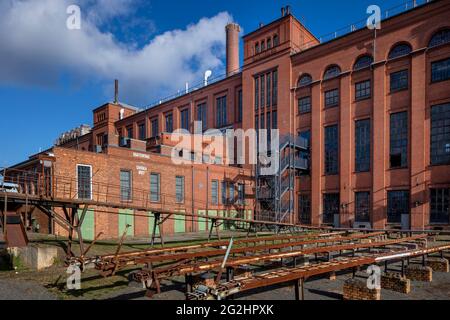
(23, 290)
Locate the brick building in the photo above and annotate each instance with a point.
(374, 106)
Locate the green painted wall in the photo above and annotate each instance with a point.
(126, 216)
(88, 226)
(201, 221)
(179, 223)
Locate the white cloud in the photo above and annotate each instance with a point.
(37, 49)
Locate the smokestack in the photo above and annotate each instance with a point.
(116, 91)
(232, 30)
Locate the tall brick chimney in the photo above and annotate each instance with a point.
(232, 30)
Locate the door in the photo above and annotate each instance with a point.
(126, 217)
(88, 226)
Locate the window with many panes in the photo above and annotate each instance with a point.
(185, 119)
(169, 123)
(398, 140)
(155, 127)
(362, 206)
(332, 98)
(256, 93)
(440, 205)
(221, 111)
(215, 192)
(201, 115)
(155, 187)
(331, 150)
(241, 194)
(306, 135)
(230, 193)
(439, 38)
(399, 80)
(179, 189)
(363, 90)
(274, 87)
(362, 145)
(239, 104)
(330, 207)
(440, 70)
(304, 208)
(398, 204)
(304, 104)
(223, 188)
(263, 91)
(440, 134)
(332, 72)
(141, 131)
(400, 50)
(84, 177)
(125, 185)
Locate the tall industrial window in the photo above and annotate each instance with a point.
(256, 122)
(330, 207)
(399, 80)
(362, 145)
(256, 93)
(269, 88)
(331, 150)
(274, 87)
(130, 132)
(398, 204)
(263, 91)
(262, 121)
(399, 140)
(363, 90)
(169, 123)
(439, 206)
(274, 120)
(241, 194)
(362, 206)
(155, 127)
(230, 193)
(179, 189)
(125, 185)
(185, 119)
(215, 192)
(332, 98)
(276, 40)
(221, 111)
(201, 115)
(304, 104)
(155, 187)
(223, 188)
(304, 207)
(141, 130)
(239, 103)
(440, 70)
(440, 134)
(306, 135)
(84, 177)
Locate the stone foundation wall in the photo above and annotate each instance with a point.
(395, 282)
(419, 273)
(438, 264)
(355, 289)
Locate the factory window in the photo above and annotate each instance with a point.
(269, 43)
(263, 45)
(263, 91)
(241, 194)
(363, 62)
(304, 81)
(274, 87)
(268, 88)
(179, 189)
(185, 119)
(84, 182)
(257, 48)
(332, 72)
(440, 134)
(201, 115)
(304, 104)
(215, 192)
(304, 208)
(262, 121)
(400, 51)
(256, 93)
(256, 122)
(276, 40)
(399, 80)
(399, 140)
(141, 130)
(440, 70)
(130, 132)
(274, 120)
(332, 98)
(231, 199)
(439, 206)
(363, 90)
(239, 103)
(330, 207)
(331, 150)
(362, 145)
(169, 123)
(440, 37)
(223, 188)
(125, 185)
(155, 129)
(221, 111)
(398, 204)
(362, 206)
(155, 187)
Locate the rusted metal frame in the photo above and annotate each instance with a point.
(157, 224)
(119, 247)
(81, 259)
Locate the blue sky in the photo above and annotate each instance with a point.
(52, 78)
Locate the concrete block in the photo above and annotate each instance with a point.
(36, 257)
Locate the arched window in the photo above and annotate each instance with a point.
(257, 50)
(304, 80)
(332, 72)
(400, 50)
(439, 38)
(276, 40)
(363, 62)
